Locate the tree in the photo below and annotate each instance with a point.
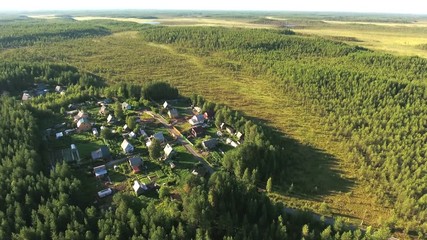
(131, 122)
(106, 133)
(118, 111)
(269, 186)
(155, 149)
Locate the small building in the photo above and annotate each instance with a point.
(173, 113)
(210, 144)
(231, 142)
(95, 131)
(59, 89)
(83, 125)
(136, 164)
(197, 131)
(59, 135)
(132, 135)
(103, 110)
(26, 96)
(100, 170)
(127, 147)
(75, 156)
(239, 136)
(159, 136)
(230, 130)
(102, 153)
(139, 188)
(168, 151)
(105, 192)
(197, 109)
(80, 115)
(69, 131)
(198, 119)
(72, 106)
(126, 106)
(143, 133)
(166, 105)
(125, 127)
(172, 165)
(110, 118)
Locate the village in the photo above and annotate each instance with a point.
(123, 146)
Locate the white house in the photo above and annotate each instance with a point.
(127, 147)
(197, 119)
(168, 151)
(126, 106)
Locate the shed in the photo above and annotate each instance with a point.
(105, 192)
(80, 115)
(143, 133)
(166, 105)
(127, 147)
(59, 135)
(26, 96)
(209, 114)
(110, 118)
(95, 131)
(168, 151)
(100, 170)
(59, 88)
(132, 135)
(103, 110)
(239, 136)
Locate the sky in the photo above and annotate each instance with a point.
(370, 6)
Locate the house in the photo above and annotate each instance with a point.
(110, 118)
(100, 170)
(95, 131)
(105, 192)
(209, 114)
(239, 136)
(159, 136)
(80, 115)
(26, 96)
(59, 89)
(125, 127)
(197, 119)
(132, 135)
(173, 113)
(168, 151)
(126, 106)
(139, 188)
(143, 133)
(136, 164)
(102, 153)
(166, 105)
(103, 110)
(127, 147)
(197, 131)
(210, 144)
(83, 125)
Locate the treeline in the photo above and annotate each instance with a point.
(148, 90)
(375, 102)
(16, 76)
(20, 33)
(202, 40)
